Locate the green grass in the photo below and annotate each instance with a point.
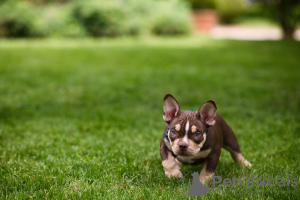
(83, 119)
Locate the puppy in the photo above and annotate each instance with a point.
(196, 137)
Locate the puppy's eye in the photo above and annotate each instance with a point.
(173, 131)
(197, 133)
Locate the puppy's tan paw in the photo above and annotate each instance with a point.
(246, 163)
(174, 173)
(206, 178)
(239, 158)
(171, 168)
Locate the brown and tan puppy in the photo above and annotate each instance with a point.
(196, 137)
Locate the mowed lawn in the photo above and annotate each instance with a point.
(83, 119)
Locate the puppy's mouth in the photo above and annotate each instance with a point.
(184, 152)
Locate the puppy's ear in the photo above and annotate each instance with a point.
(207, 113)
(171, 108)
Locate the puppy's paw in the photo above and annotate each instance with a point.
(246, 163)
(206, 178)
(174, 173)
(239, 158)
(171, 168)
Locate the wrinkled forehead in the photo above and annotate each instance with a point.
(186, 120)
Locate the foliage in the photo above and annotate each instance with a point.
(131, 17)
(202, 4)
(286, 13)
(43, 2)
(93, 18)
(57, 20)
(99, 18)
(17, 20)
(171, 19)
(229, 10)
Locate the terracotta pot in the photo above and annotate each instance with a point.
(204, 20)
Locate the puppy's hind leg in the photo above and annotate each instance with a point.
(231, 144)
(238, 157)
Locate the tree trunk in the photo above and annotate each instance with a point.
(288, 25)
(288, 33)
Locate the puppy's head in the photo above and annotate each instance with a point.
(187, 129)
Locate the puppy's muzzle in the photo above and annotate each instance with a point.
(183, 145)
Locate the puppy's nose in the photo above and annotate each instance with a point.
(183, 145)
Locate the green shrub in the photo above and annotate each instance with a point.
(17, 20)
(171, 19)
(138, 16)
(132, 17)
(229, 10)
(100, 18)
(201, 4)
(57, 20)
(45, 2)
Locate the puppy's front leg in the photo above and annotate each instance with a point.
(169, 163)
(171, 167)
(205, 175)
(209, 168)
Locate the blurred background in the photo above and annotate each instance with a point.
(241, 19)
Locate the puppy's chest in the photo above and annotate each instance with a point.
(194, 158)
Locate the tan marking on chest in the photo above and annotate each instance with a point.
(191, 159)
